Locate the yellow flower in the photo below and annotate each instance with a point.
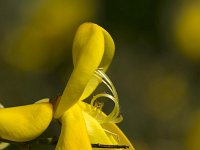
(84, 124)
(44, 33)
(187, 29)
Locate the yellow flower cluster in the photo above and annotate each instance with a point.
(82, 124)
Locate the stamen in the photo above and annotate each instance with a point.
(97, 110)
(113, 134)
(114, 115)
(99, 105)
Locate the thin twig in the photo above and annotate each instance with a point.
(109, 146)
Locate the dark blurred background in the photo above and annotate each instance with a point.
(156, 69)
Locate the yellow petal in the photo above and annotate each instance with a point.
(88, 50)
(116, 136)
(73, 133)
(24, 123)
(109, 50)
(95, 131)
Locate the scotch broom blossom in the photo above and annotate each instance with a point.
(85, 124)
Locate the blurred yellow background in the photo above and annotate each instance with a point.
(156, 69)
